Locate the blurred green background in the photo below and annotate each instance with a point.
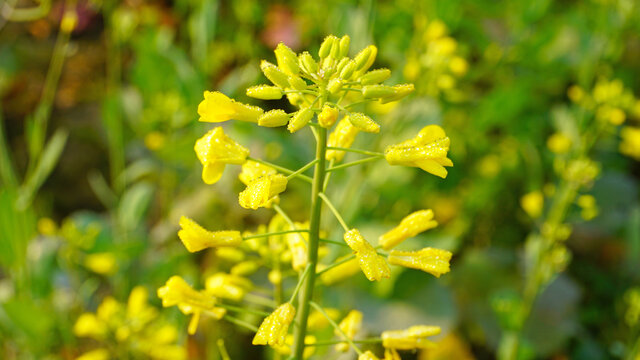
(97, 162)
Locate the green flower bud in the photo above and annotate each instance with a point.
(275, 75)
(375, 76)
(345, 41)
(287, 59)
(400, 91)
(300, 119)
(364, 123)
(307, 63)
(273, 118)
(335, 49)
(334, 86)
(343, 62)
(348, 70)
(297, 82)
(365, 59)
(377, 91)
(265, 92)
(325, 47)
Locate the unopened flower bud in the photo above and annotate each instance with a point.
(265, 92)
(364, 123)
(400, 91)
(334, 86)
(297, 82)
(375, 76)
(377, 91)
(345, 41)
(328, 116)
(287, 59)
(348, 70)
(325, 47)
(275, 75)
(274, 118)
(300, 119)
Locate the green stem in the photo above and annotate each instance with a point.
(357, 151)
(306, 292)
(337, 328)
(334, 242)
(334, 211)
(300, 282)
(241, 323)
(273, 233)
(348, 258)
(280, 168)
(243, 310)
(353, 163)
(335, 342)
(302, 169)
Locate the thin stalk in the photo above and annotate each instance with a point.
(306, 292)
(326, 180)
(335, 342)
(241, 323)
(348, 258)
(286, 218)
(300, 282)
(334, 242)
(357, 151)
(337, 327)
(255, 236)
(334, 211)
(260, 300)
(222, 350)
(281, 169)
(243, 310)
(354, 163)
(302, 169)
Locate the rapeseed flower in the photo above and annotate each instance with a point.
(217, 107)
(412, 338)
(274, 328)
(373, 265)
(410, 226)
(196, 238)
(433, 261)
(261, 191)
(214, 150)
(428, 151)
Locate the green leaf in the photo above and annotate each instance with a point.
(133, 205)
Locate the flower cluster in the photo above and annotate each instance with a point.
(135, 326)
(328, 92)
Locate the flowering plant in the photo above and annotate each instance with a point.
(327, 93)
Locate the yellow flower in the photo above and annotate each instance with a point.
(101, 263)
(177, 292)
(196, 238)
(391, 354)
(410, 226)
(533, 203)
(575, 93)
(342, 136)
(89, 325)
(227, 286)
(217, 107)
(559, 143)
(274, 328)
(350, 326)
(414, 337)
(262, 190)
(214, 150)
(428, 151)
(327, 116)
(47, 227)
(373, 265)
(252, 170)
(433, 261)
(458, 66)
(630, 144)
(368, 355)
(298, 247)
(98, 354)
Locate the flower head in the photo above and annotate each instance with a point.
(262, 190)
(214, 150)
(350, 326)
(414, 337)
(428, 151)
(410, 226)
(217, 107)
(177, 292)
(433, 261)
(373, 265)
(274, 328)
(196, 238)
(342, 136)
